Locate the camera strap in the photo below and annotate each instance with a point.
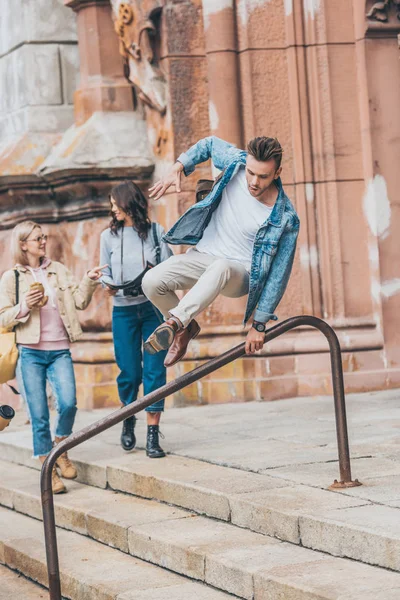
(156, 242)
(122, 254)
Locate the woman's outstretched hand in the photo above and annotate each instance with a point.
(109, 291)
(172, 178)
(95, 273)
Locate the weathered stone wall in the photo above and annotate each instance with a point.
(39, 63)
(314, 73)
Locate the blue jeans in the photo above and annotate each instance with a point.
(35, 367)
(131, 326)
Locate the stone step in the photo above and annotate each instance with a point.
(89, 570)
(16, 587)
(234, 560)
(343, 524)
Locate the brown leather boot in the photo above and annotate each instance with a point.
(67, 468)
(162, 337)
(181, 340)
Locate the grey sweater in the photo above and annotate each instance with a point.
(110, 254)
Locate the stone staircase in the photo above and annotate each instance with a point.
(179, 528)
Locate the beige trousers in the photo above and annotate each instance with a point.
(204, 275)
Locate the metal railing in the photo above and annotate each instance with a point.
(172, 387)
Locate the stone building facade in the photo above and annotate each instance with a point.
(94, 91)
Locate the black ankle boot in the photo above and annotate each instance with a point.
(128, 439)
(153, 449)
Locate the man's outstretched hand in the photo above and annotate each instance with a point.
(254, 340)
(172, 178)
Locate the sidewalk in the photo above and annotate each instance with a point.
(291, 439)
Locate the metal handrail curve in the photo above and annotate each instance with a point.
(170, 388)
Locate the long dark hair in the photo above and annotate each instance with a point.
(130, 198)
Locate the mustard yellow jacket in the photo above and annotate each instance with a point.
(71, 297)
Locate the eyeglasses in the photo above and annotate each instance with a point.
(39, 239)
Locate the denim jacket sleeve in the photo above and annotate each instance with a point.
(220, 152)
(278, 276)
(166, 251)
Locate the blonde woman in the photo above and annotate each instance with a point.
(40, 299)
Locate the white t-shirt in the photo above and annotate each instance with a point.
(234, 224)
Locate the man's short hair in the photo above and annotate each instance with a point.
(265, 148)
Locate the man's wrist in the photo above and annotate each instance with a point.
(258, 326)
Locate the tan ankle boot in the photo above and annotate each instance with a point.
(56, 484)
(67, 468)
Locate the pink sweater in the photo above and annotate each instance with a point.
(53, 335)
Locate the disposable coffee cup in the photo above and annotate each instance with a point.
(6, 414)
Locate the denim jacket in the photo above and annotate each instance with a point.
(275, 242)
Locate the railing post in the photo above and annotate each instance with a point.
(49, 524)
(340, 415)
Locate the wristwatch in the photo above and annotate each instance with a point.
(259, 326)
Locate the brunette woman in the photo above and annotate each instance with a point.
(40, 299)
(129, 246)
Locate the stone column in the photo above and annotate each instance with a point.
(103, 86)
(222, 70)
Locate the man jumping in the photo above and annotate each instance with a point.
(244, 235)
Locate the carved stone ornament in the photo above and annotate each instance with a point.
(138, 39)
(380, 10)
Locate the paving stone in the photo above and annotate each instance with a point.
(326, 580)
(323, 474)
(370, 534)
(382, 490)
(15, 587)
(109, 523)
(89, 571)
(276, 512)
(261, 454)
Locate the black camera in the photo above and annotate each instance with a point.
(132, 289)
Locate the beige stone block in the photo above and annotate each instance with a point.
(110, 521)
(89, 571)
(184, 545)
(276, 512)
(325, 580)
(183, 591)
(195, 485)
(14, 585)
(369, 534)
(170, 548)
(234, 569)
